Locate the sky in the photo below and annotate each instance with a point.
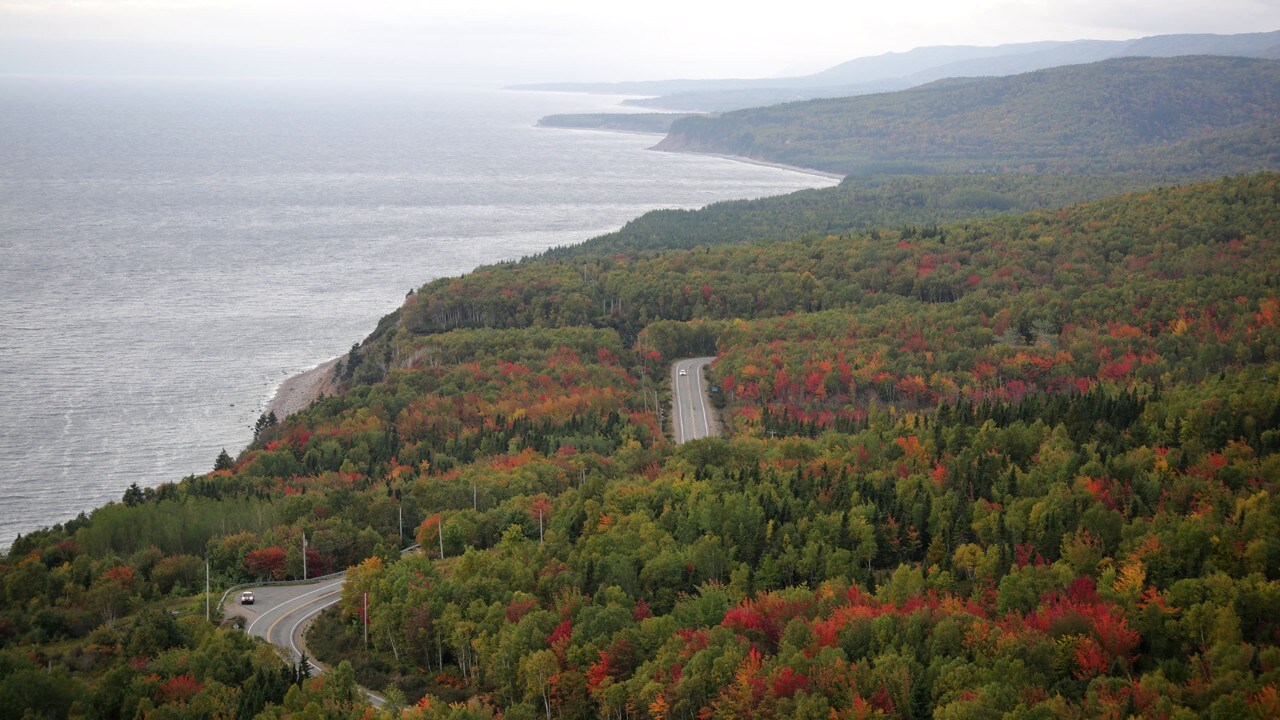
(507, 41)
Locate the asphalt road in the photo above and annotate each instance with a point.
(280, 615)
(692, 416)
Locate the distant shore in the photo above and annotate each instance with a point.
(297, 393)
(722, 156)
(764, 163)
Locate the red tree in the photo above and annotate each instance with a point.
(266, 562)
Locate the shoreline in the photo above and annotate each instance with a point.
(297, 392)
(619, 131)
(722, 156)
(762, 163)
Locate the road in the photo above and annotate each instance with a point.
(281, 613)
(692, 417)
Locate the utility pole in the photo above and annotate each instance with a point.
(304, 556)
(365, 617)
(440, 527)
(644, 391)
(206, 588)
(400, 512)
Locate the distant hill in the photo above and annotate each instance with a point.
(895, 71)
(928, 64)
(725, 100)
(1209, 114)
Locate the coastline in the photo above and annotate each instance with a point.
(297, 392)
(722, 156)
(620, 131)
(206, 388)
(608, 130)
(763, 163)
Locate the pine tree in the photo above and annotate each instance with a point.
(133, 496)
(223, 461)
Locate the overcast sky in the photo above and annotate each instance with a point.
(500, 41)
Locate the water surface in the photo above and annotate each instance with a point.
(174, 249)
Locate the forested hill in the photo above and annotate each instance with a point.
(1019, 466)
(1126, 115)
(751, 280)
(859, 205)
(1024, 466)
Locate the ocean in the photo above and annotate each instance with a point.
(172, 249)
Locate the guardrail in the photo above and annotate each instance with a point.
(272, 583)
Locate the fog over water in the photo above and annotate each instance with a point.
(174, 249)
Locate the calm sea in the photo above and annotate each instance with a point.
(171, 250)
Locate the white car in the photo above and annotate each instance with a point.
(684, 372)
(246, 598)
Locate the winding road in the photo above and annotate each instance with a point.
(692, 416)
(281, 613)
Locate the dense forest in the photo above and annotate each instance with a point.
(1131, 115)
(857, 206)
(1020, 465)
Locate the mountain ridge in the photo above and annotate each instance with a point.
(897, 70)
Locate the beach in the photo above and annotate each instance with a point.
(299, 391)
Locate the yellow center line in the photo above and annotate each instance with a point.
(272, 627)
(290, 601)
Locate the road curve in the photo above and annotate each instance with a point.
(691, 414)
(281, 613)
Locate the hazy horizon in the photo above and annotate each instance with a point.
(501, 41)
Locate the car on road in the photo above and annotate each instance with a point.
(246, 598)
(683, 371)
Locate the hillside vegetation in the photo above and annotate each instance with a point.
(858, 205)
(1002, 439)
(1020, 465)
(1120, 116)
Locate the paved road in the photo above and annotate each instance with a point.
(692, 417)
(281, 613)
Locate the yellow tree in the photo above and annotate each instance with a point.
(361, 579)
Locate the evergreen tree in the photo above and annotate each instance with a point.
(223, 461)
(133, 496)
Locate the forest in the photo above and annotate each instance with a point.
(1020, 464)
(1129, 115)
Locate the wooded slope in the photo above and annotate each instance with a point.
(1128, 115)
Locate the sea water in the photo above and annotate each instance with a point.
(171, 250)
